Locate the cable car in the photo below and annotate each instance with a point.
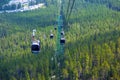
(35, 47)
(55, 28)
(62, 41)
(62, 33)
(51, 36)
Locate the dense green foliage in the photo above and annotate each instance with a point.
(92, 49)
(115, 5)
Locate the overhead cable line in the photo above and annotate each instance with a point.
(71, 8)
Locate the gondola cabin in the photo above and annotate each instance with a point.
(62, 33)
(62, 41)
(51, 36)
(35, 47)
(55, 28)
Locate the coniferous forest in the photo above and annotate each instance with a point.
(91, 51)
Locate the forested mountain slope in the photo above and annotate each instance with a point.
(92, 49)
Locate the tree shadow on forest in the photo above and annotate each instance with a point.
(115, 8)
(108, 4)
(99, 38)
(29, 22)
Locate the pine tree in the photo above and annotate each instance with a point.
(27, 75)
